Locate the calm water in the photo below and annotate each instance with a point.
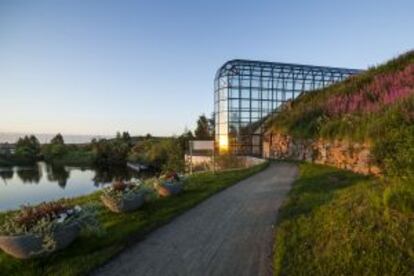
(43, 182)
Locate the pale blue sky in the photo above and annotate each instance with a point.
(95, 67)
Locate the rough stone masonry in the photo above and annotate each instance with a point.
(356, 157)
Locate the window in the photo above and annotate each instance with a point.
(234, 104)
(245, 104)
(245, 93)
(234, 93)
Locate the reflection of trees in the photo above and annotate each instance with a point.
(30, 174)
(58, 174)
(107, 174)
(6, 174)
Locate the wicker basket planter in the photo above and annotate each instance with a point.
(31, 245)
(169, 188)
(35, 231)
(129, 202)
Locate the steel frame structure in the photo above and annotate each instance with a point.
(246, 92)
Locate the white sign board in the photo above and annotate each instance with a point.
(202, 145)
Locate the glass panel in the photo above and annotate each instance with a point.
(234, 104)
(223, 94)
(255, 94)
(234, 93)
(234, 81)
(245, 93)
(245, 104)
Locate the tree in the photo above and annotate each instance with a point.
(164, 154)
(27, 149)
(57, 140)
(112, 152)
(56, 149)
(202, 132)
(211, 125)
(184, 138)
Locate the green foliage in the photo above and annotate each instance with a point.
(111, 152)
(336, 222)
(165, 154)
(56, 149)
(121, 190)
(228, 161)
(27, 150)
(44, 219)
(393, 138)
(386, 119)
(204, 128)
(119, 230)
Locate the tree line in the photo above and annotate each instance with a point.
(165, 153)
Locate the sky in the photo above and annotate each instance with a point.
(97, 67)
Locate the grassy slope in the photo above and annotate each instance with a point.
(310, 116)
(338, 222)
(87, 252)
(376, 106)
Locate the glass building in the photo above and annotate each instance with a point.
(246, 92)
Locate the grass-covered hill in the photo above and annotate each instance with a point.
(376, 107)
(338, 222)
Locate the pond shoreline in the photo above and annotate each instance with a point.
(88, 252)
(44, 182)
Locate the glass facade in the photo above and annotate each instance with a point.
(246, 92)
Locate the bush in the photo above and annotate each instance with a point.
(165, 154)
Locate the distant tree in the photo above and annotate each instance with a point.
(164, 154)
(112, 152)
(211, 125)
(184, 138)
(56, 149)
(57, 140)
(202, 132)
(126, 138)
(27, 149)
(148, 136)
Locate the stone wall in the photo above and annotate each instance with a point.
(356, 157)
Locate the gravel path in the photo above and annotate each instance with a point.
(230, 233)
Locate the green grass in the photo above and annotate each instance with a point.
(335, 222)
(389, 130)
(75, 157)
(88, 252)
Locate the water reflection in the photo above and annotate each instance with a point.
(59, 174)
(108, 174)
(44, 182)
(6, 174)
(30, 174)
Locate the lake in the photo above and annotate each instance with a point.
(43, 182)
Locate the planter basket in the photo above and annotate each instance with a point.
(170, 188)
(126, 204)
(30, 245)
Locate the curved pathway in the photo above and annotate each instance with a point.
(231, 233)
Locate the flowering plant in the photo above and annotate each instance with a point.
(46, 218)
(120, 190)
(384, 90)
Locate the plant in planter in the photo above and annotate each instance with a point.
(39, 230)
(169, 184)
(123, 197)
